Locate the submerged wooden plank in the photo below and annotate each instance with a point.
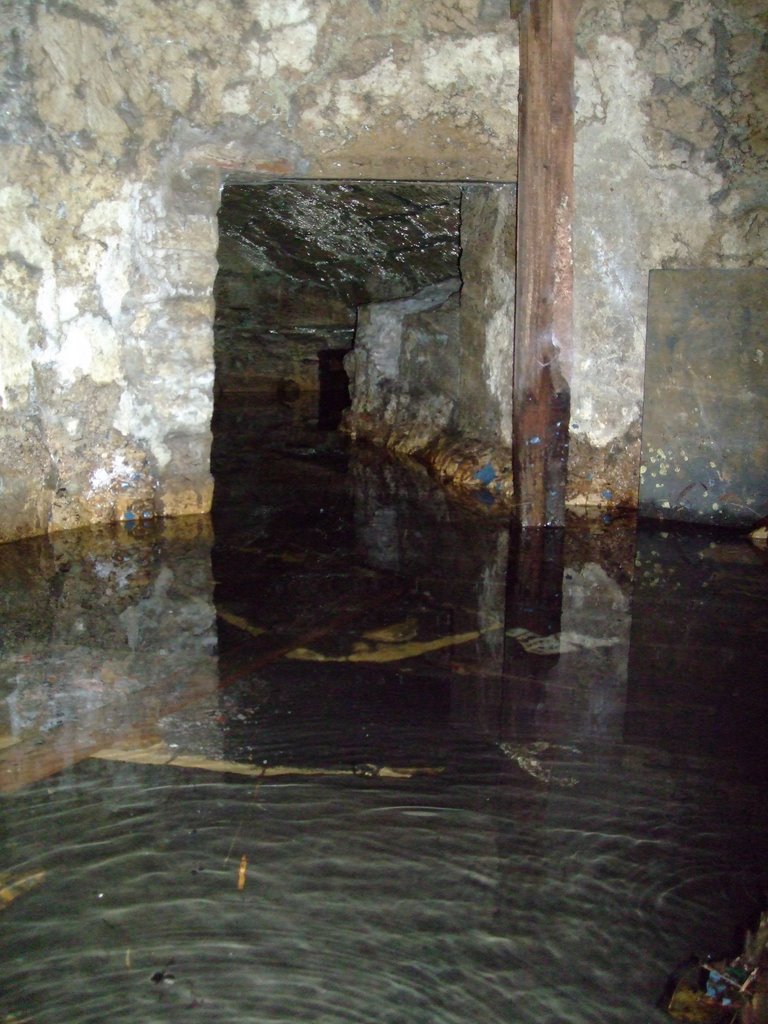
(544, 297)
(159, 754)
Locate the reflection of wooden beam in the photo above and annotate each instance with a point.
(544, 297)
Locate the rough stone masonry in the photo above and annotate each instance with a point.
(121, 121)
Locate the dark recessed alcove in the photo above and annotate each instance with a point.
(298, 259)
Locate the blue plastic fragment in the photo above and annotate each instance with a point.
(534, 440)
(486, 474)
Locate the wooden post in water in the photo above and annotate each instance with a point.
(544, 296)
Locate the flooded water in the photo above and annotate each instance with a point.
(354, 750)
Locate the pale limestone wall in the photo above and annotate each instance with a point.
(121, 122)
(671, 172)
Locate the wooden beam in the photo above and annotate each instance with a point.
(544, 294)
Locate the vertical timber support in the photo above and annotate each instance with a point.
(544, 296)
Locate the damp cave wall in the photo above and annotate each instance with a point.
(410, 283)
(120, 122)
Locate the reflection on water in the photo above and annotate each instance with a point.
(104, 632)
(360, 752)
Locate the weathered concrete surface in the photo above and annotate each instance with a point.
(119, 124)
(474, 453)
(705, 421)
(671, 146)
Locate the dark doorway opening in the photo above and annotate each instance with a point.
(417, 272)
(296, 261)
(333, 395)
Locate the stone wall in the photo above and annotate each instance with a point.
(403, 370)
(297, 259)
(121, 121)
(431, 375)
(671, 172)
(120, 124)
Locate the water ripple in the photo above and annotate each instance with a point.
(459, 900)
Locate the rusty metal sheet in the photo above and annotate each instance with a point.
(705, 420)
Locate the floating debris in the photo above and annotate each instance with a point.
(387, 651)
(240, 623)
(171, 990)
(241, 873)
(11, 889)
(163, 978)
(159, 754)
(526, 756)
(706, 994)
(398, 632)
(726, 991)
(566, 642)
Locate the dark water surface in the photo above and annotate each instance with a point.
(354, 750)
